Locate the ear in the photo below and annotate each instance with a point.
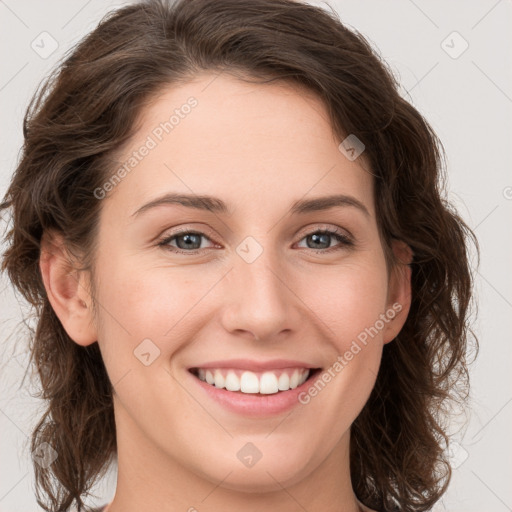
(399, 290)
(67, 289)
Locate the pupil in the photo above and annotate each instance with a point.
(316, 238)
(189, 240)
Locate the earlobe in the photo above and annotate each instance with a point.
(399, 290)
(66, 289)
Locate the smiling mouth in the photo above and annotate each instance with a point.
(255, 383)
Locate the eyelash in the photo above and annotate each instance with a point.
(345, 241)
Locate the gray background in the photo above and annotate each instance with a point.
(468, 100)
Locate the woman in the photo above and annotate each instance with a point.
(251, 293)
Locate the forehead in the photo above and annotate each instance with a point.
(247, 142)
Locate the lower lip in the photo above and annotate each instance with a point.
(256, 405)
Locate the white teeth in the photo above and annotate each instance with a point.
(294, 380)
(219, 379)
(249, 383)
(232, 381)
(267, 383)
(284, 382)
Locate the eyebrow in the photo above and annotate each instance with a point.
(216, 205)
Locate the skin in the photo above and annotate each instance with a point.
(259, 148)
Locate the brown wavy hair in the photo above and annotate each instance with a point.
(89, 106)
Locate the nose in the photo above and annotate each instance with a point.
(259, 301)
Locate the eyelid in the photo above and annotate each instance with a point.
(325, 227)
(304, 232)
(167, 236)
(172, 232)
(347, 241)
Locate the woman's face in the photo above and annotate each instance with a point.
(253, 280)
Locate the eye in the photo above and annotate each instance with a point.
(321, 237)
(189, 240)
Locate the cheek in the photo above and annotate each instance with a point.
(348, 299)
(139, 302)
(349, 303)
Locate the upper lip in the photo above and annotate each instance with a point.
(252, 365)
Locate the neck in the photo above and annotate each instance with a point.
(149, 478)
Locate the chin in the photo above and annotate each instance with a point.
(268, 478)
